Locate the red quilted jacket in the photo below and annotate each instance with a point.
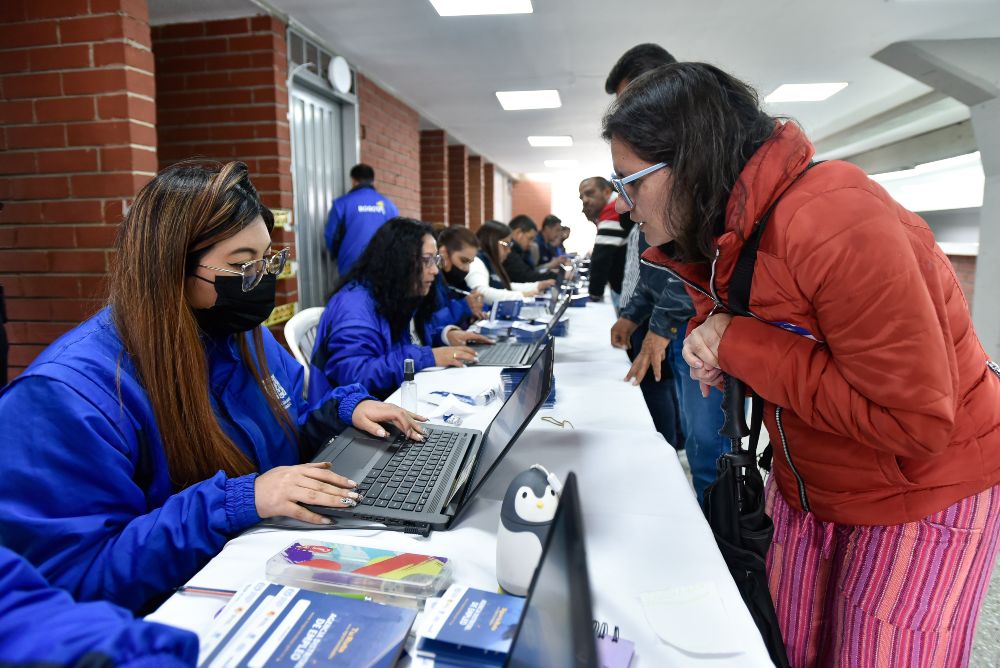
(881, 404)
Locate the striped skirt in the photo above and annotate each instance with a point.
(901, 595)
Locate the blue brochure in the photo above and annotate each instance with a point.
(470, 627)
(271, 626)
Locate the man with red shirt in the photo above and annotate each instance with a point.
(607, 263)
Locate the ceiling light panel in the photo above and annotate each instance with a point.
(481, 7)
(561, 164)
(816, 92)
(550, 140)
(516, 100)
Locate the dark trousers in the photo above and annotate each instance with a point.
(660, 396)
(607, 267)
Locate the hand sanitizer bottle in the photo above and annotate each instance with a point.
(408, 391)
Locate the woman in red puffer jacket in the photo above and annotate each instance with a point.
(883, 407)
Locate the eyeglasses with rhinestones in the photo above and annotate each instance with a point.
(253, 272)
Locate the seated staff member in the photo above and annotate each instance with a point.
(380, 315)
(486, 273)
(518, 265)
(457, 247)
(132, 445)
(549, 242)
(43, 626)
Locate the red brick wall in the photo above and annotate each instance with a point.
(390, 143)
(458, 185)
(77, 140)
(221, 94)
(532, 198)
(965, 267)
(434, 176)
(476, 192)
(488, 194)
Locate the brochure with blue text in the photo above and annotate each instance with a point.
(470, 627)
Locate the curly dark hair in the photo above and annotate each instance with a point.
(706, 125)
(390, 268)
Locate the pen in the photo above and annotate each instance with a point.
(205, 591)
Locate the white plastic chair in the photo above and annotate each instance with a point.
(300, 335)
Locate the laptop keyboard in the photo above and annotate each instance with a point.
(405, 479)
(505, 353)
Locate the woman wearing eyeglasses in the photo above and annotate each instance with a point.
(382, 314)
(143, 439)
(881, 404)
(486, 273)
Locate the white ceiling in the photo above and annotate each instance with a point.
(449, 68)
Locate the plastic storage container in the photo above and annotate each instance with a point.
(383, 576)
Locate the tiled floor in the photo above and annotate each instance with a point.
(986, 647)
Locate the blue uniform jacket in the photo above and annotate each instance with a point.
(354, 342)
(41, 625)
(354, 218)
(86, 493)
(546, 251)
(449, 311)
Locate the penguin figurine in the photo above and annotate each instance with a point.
(528, 509)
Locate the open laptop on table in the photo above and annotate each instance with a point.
(427, 485)
(556, 628)
(510, 353)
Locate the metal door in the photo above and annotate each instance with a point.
(318, 175)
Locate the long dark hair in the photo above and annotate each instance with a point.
(490, 235)
(173, 221)
(390, 268)
(705, 124)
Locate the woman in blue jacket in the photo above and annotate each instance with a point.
(132, 445)
(42, 626)
(383, 313)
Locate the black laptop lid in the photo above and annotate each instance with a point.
(556, 627)
(513, 417)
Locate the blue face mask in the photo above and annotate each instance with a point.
(236, 311)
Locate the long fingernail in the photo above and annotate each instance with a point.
(352, 483)
(355, 496)
(327, 520)
(698, 365)
(348, 502)
(381, 433)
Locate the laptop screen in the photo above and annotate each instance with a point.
(513, 417)
(556, 626)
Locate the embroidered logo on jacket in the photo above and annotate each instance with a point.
(286, 401)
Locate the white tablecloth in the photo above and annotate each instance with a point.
(644, 530)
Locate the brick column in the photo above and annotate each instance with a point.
(458, 185)
(965, 269)
(390, 143)
(476, 192)
(78, 140)
(221, 95)
(488, 195)
(434, 176)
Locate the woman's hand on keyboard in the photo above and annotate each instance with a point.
(281, 491)
(458, 337)
(454, 356)
(369, 414)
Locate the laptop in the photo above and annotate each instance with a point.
(427, 485)
(556, 628)
(511, 353)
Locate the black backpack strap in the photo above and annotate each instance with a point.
(742, 281)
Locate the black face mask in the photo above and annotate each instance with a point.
(456, 277)
(236, 311)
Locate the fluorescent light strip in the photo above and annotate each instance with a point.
(804, 92)
(561, 164)
(481, 7)
(540, 141)
(516, 100)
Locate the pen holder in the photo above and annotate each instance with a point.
(526, 514)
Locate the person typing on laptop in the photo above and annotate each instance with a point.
(382, 314)
(139, 442)
(487, 273)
